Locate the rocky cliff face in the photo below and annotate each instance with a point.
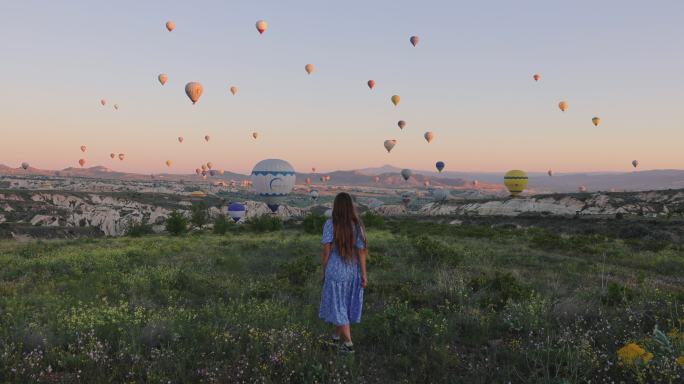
(655, 203)
(111, 215)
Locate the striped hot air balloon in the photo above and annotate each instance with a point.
(516, 182)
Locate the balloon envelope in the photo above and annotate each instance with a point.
(516, 182)
(371, 84)
(635, 163)
(163, 78)
(563, 105)
(255, 135)
(550, 172)
(168, 163)
(25, 165)
(233, 90)
(389, 144)
(309, 68)
(396, 99)
(83, 148)
(194, 91)
(261, 26)
(112, 155)
(582, 188)
(401, 124)
(122, 156)
(273, 179)
(207, 137)
(313, 194)
(103, 102)
(536, 77)
(81, 162)
(237, 211)
(406, 174)
(439, 165)
(429, 136)
(596, 121)
(414, 40)
(170, 25)
(180, 139)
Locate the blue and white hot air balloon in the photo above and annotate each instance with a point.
(236, 211)
(273, 179)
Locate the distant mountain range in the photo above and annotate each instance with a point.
(389, 176)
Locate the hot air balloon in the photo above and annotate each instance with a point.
(309, 68)
(204, 167)
(261, 26)
(313, 169)
(439, 194)
(327, 178)
(635, 163)
(81, 162)
(180, 139)
(515, 181)
(83, 148)
(25, 165)
(401, 124)
(273, 179)
(536, 77)
(396, 99)
(236, 211)
(307, 181)
(563, 105)
(168, 163)
(210, 165)
(313, 194)
(194, 91)
(207, 137)
(439, 165)
(371, 84)
(414, 40)
(376, 179)
(550, 172)
(170, 25)
(406, 198)
(122, 156)
(476, 183)
(116, 107)
(429, 136)
(198, 171)
(112, 155)
(212, 172)
(596, 121)
(406, 174)
(582, 189)
(103, 102)
(233, 90)
(255, 135)
(389, 144)
(163, 78)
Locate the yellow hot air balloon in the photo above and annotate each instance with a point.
(309, 68)
(396, 99)
(563, 105)
(209, 164)
(515, 181)
(233, 90)
(596, 121)
(163, 78)
(170, 25)
(168, 163)
(261, 26)
(429, 136)
(194, 91)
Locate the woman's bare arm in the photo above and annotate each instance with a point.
(324, 258)
(363, 253)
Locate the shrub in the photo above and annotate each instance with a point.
(138, 229)
(497, 290)
(221, 224)
(199, 215)
(313, 223)
(373, 220)
(176, 223)
(431, 250)
(265, 223)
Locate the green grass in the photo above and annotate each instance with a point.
(452, 304)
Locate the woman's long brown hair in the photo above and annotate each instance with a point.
(346, 223)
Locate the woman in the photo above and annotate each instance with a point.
(344, 270)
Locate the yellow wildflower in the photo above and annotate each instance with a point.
(632, 352)
(680, 360)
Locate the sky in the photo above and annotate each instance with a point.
(469, 81)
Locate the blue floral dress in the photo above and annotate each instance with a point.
(342, 296)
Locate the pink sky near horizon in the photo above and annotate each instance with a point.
(469, 81)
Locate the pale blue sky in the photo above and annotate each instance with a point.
(469, 81)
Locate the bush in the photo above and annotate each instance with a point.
(373, 220)
(497, 290)
(221, 224)
(138, 229)
(199, 215)
(176, 223)
(265, 223)
(431, 250)
(313, 223)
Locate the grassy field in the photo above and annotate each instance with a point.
(445, 303)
